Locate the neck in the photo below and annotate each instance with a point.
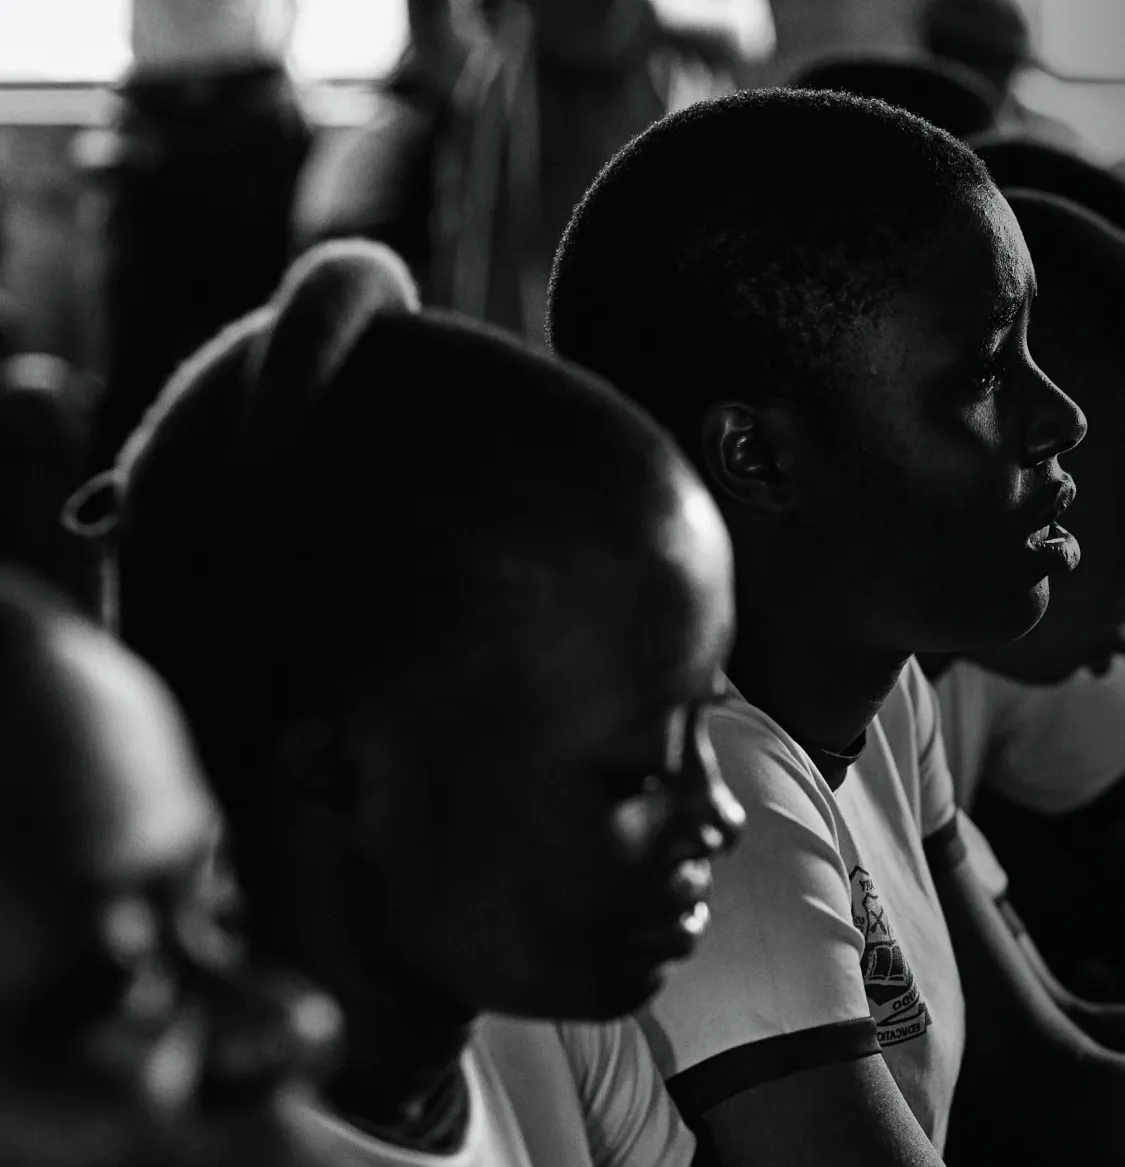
(821, 691)
(403, 1048)
(403, 1037)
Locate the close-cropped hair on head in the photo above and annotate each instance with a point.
(730, 250)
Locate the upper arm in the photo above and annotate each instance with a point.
(838, 1115)
(630, 1118)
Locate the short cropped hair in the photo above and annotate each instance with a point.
(730, 249)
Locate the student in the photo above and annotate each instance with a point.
(194, 182)
(488, 132)
(1035, 730)
(992, 38)
(132, 1032)
(837, 336)
(451, 685)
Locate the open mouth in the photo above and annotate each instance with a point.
(1052, 533)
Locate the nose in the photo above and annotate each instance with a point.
(1056, 423)
(715, 816)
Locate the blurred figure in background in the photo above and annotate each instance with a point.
(42, 452)
(1021, 162)
(992, 38)
(132, 1031)
(409, 637)
(197, 181)
(945, 94)
(500, 115)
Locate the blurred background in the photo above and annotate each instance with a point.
(61, 59)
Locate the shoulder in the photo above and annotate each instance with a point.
(909, 717)
(762, 763)
(587, 1094)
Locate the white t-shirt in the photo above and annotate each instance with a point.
(1048, 748)
(828, 942)
(543, 1095)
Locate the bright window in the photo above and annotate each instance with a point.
(63, 40)
(1082, 38)
(88, 40)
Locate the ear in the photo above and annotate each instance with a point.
(748, 452)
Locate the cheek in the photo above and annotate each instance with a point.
(637, 826)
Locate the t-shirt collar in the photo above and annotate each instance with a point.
(833, 766)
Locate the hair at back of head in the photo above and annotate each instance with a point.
(951, 97)
(730, 250)
(322, 508)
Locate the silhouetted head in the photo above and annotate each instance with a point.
(825, 299)
(445, 615)
(989, 36)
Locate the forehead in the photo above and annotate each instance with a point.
(647, 629)
(967, 288)
(123, 774)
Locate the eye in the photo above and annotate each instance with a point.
(992, 377)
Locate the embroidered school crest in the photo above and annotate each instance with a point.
(893, 994)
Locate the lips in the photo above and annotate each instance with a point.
(684, 914)
(1053, 548)
(1047, 524)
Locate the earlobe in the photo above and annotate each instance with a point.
(742, 454)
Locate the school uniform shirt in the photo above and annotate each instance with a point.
(542, 1095)
(1048, 748)
(827, 941)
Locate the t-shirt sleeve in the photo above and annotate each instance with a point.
(938, 800)
(967, 720)
(631, 1120)
(777, 985)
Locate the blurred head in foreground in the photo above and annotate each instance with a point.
(133, 1031)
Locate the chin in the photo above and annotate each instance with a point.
(1026, 614)
(1007, 618)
